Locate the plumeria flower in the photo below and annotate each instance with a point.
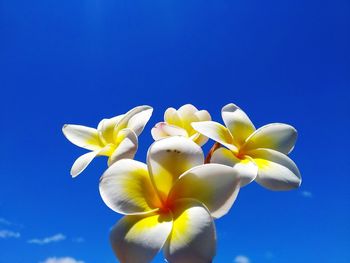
(259, 155)
(178, 123)
(168, 203)
(115, 137)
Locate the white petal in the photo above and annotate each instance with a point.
(187, 111)
(126, 147)
(276, 170)
(193, 237)
(237, 122)
(188, 115)
(276, 136)
(137, 239)
(82, 136)
(246, 168)
(126, 188)
(158, 133)
(168, 158)
(200, 139)
(203, 115)
(214, 185)
(106, 128)
(163, 130)
(82, 162)
(172, 117)
(216, 132)
(135, 119)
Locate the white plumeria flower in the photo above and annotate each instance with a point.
(178, 123)
(115, 137)
(259, 155)
(168, 203)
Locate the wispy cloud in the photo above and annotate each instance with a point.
(3, 221)
(78, 240)
(62, 260)
(307, 194)
(269, 255)
(241, 259)
(9, 234)
(47, 240)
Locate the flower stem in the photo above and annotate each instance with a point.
(211, 151)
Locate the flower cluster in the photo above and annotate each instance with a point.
(170, 202)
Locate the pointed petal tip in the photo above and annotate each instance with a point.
(64, 127)
(74, 175)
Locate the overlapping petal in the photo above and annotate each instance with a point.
(193, 236)
(245, 167)
(216, 132)
(276, 170)
(135, 119)
(187, 111)
(106, 128)
(188, 115)
(126, 188)
(237, 122)
(215, 185)
(203, 115)
(137, 239)
(276, 136)
(168, 158)
(200, 139)
(178, 123)
(172, 117)
(83, 161)
(82, 136)
(126, 146)
(163, 130)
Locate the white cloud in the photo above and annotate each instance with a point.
(9, 234)
(61, 260)
(306, 194)
(241, 259)
(78, 240)
(47, 240)
(5, 222)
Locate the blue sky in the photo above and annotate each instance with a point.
(80, 61)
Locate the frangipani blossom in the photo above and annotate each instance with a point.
(168, 203)
(259, 155)
(178, 123)
(115, 137)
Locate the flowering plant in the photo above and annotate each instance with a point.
(171, 201)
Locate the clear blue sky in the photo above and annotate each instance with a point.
(69, 61)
